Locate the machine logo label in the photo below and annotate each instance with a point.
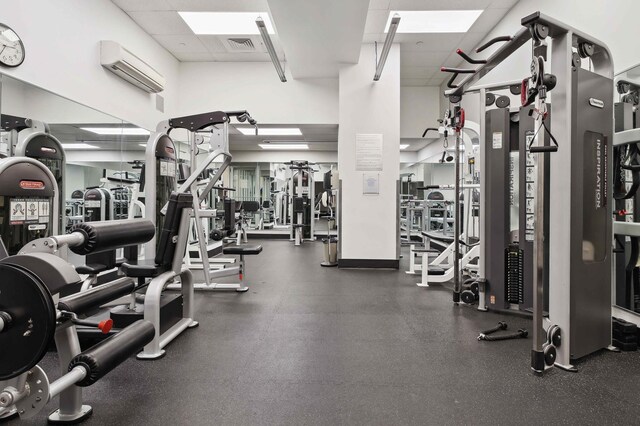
(596, 103)
(31, 184)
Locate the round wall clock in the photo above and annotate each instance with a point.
(11, 47)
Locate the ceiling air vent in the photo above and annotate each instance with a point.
(241, 45)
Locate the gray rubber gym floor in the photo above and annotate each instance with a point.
(313, 345)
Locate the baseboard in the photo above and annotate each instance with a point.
(369, 263)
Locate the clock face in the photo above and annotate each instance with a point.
(11, 47)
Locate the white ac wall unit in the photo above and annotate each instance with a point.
(128, 66)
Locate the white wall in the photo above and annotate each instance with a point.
(419, 109)
(25, 100)
(255, 87)
(284, 156)
(369, 222)
(61, 40)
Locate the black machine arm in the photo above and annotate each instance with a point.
(95, 237)
(493, 41)
(12, 122)
(85, 301)
(430, 129)
(197, 122)
(455, 72)
(470, 59)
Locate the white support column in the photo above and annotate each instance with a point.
(369, 222)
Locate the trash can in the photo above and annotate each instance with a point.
(330, 251)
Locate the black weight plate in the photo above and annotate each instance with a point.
(549, 355)
(515, 89)
(503, 101)
(33, 321)
(490, 99)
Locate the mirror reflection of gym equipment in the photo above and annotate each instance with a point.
(439, 203)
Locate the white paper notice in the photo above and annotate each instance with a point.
(369, 152)
(497, 140)
(370, 183)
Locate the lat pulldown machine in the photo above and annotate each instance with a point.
(579, 237)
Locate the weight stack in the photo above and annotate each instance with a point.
(514, 280)
(625, 335)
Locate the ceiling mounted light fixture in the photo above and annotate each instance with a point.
(404, 146)
(284, 146)
(270, 131)
(262, 28)
(393, 26)
(433, 21)
(117, 131)
(226, 23)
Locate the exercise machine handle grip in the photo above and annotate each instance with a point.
(429, 129)
(543, 149)
(113, 351)
(492, 42)
(470, 59)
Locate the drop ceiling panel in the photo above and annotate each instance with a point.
(135, 5)
(181, 43)
(194, 56)
(213, 43)
(241, 57)
(418, 72)
(435, 42)
(439, 4)
(487, 21)
(379, 4)
(161, 22)
(423, 59)
(219, 5)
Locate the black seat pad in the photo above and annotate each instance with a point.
(243, 249)
(91, 268)
(141, 269)
(435, 270)
(425, 250)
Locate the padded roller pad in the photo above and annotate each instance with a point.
(113, 351)
(113, 234)
(85, 301)
(242, 250)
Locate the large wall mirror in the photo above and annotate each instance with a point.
(626, 198)
(95, 160)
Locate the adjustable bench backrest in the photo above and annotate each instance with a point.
(171, 228)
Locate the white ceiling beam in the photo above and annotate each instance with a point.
(319, 36)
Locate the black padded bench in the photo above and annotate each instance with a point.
(242, 250)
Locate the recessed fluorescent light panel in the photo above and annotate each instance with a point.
(71, 146)
(270, 131)
(434, 21)
(113, 131)
(404, 146)
(226, 23)
(283, 146)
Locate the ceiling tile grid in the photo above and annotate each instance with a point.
(160, 19)
(422, 55)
